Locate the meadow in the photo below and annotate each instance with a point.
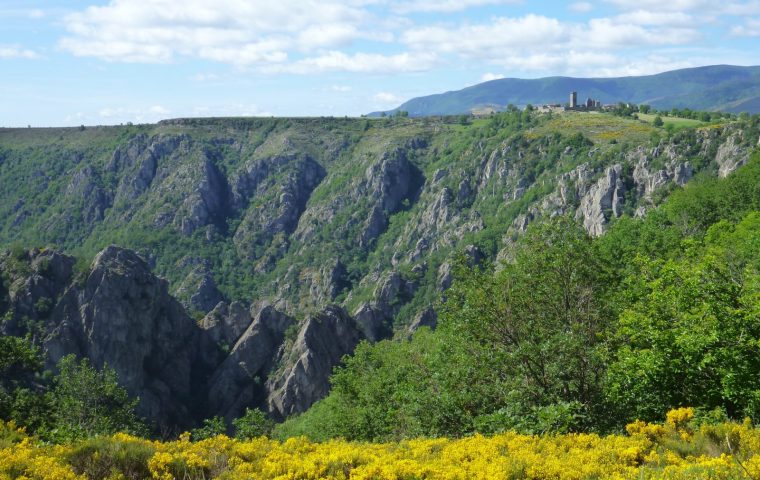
(677, 122)
(601, 128)
(683, 446)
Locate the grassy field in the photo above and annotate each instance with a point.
(599, 127)
(675, 121)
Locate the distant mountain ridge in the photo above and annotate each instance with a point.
(716, 88)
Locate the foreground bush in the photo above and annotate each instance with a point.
(681, 447)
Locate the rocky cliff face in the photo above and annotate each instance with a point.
(292, 239)
(283, 184)
(595, 196)
(239, 380)
(603, 201)
(118, 314)
(321, 342)
(121, 315)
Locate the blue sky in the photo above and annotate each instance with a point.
(109, 62)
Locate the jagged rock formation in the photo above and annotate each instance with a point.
(321, 343)
(207, 202)
(301, 218)
(238, 381)
(285, 184)
(426, 318)
(120, 314)
(731, 155)
(290, 209)
(201, 290)
(604, 199)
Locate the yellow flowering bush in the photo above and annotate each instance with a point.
(675, 449)
(679, 417)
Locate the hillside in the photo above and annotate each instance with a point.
(288, 241)
(712, 88)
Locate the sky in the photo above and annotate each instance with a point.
(68, 63)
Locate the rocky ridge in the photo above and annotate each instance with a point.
(121, 315)
(289, 241)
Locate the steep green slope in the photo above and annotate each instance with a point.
(713, 88)
(290, 240)
(302, 213)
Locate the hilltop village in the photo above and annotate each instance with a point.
(589, 105)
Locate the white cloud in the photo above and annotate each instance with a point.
(536, 33)
(698, 7)
(742, 8)
(386, 99)
(581, 7)
(36, 13)
(542, 44)
(14, 51)
(644, 65)
(670, 5)
(230, 110)
(486, 77)
(159, 110)
(358, 63)
(618, 33)
(340, 88)
(205, 77)
(391, 36)
(232, 31)
(444, 5)
(149, 114)
(649, 17)
(488, 39)
(78, 117)
(750, 28)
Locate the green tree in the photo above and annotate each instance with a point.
(20, 363)
(520, 348)
(538, 323)
(693, 338)
(18, 358)
(85, 402)
(254, 423)
(658, 121)
(211, 427)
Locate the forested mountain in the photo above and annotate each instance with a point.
(716, 88)
(288, 241)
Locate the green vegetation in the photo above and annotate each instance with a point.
(576, 334)
(69, 192)
(76, 403)
(598, 127)
(254, 423)
(676, 122)
(571, 333)
(84, 402)
(211, 428)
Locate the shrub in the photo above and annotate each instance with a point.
(85, 402)
(101, 457)
(254, 423)
(211, 427)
